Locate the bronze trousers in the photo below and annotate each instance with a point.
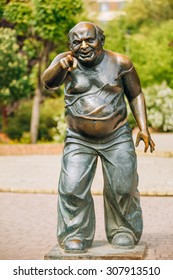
(76, 215)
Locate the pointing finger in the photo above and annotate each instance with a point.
(69, 58)
(74, 63)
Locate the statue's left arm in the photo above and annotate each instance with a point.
(137, 104)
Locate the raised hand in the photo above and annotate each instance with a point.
(69, 62)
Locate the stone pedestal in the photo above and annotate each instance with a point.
(100, 250)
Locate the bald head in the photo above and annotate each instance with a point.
(86, 42)
(87, 25)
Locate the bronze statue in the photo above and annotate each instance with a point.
(96, 81)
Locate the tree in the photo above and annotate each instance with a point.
(13, 74)
(116, 35)
(153, 55)
(41, 26)
(145, 34)
(147, 13)
(146, 37)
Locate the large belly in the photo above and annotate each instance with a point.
(96, 113)
(96, 128)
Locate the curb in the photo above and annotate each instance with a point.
(42, 191)
(167, 154)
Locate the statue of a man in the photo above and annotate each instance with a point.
(96, 81)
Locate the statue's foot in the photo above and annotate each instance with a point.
(75, 246)
(123, 240)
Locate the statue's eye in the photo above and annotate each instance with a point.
(76, 42)
(90, 40)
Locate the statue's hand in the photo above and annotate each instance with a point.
(145, 136)
(69, 62)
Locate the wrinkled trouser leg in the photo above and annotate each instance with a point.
(121, 197)
(76, 215)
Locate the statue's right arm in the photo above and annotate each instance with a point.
(55, 74)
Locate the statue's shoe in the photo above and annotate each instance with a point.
(123, 240)
(75, 245)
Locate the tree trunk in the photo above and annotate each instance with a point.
(35, 117)
(4, 117)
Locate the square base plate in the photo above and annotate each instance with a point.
(100, 250)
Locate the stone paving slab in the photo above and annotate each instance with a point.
(28, 225)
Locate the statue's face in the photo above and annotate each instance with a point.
(84, 43)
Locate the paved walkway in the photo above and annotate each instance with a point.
(28, 225)
(28, 220)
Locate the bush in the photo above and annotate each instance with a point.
(19, 122)
(60, 129)
(51, 109)
(159, 102)
(159, 99)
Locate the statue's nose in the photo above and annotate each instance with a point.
(84, 45)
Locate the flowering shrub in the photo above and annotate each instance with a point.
(60, 128)
(159, 99)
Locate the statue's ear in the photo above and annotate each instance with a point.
(69, 45)
(103, 40)
(69, 41)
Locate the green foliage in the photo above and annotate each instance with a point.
(2, 6)
(148, 30)
(41, 27)
(159, 100)
(20, 13)
(149, 44)
(152, 54)
(19, 121)
(150, 49)
(61, 127)
(51, 111)
(147, 13)
(13, 69)
(56, 16)
(43, 19)
(115, 32)
(32, 47)
(136, 14)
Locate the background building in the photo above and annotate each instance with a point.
(105, 10)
